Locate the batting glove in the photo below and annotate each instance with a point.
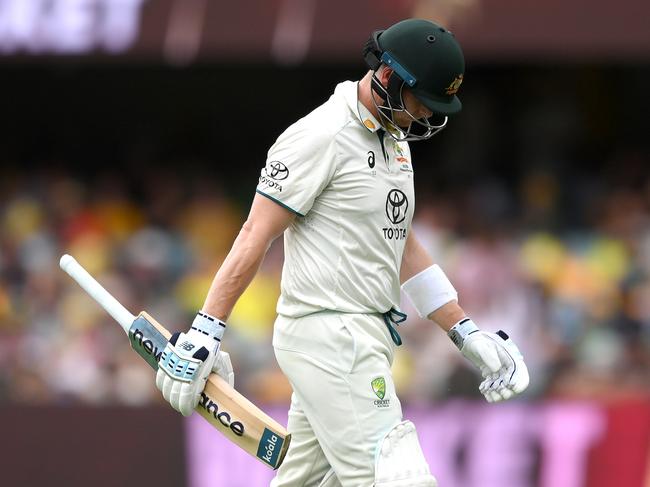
(497, 357)
(187, 361)
(223, 367)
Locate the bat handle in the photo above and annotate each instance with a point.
(97, 292)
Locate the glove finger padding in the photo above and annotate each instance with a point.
(160, 381)
(489, 382)
(187, 399)
(493, 396)
(494, 390)
(175, 395)
(500, 363)
(517, 379)
(506, 394)
(223, 367)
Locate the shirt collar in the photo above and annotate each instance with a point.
(349, 91)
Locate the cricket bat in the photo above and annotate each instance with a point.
(223, 407)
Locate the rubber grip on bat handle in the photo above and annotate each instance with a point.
(97, 291)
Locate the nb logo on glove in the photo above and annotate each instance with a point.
(188, 360)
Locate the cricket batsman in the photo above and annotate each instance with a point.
(338, 184)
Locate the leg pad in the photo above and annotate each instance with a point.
(399, 461)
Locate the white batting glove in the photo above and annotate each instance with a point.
(497, 357)
(187, 361)
(223, 367)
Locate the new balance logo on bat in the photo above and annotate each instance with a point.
(147, 345)
(222, 416)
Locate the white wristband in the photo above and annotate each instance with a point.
(429, 290)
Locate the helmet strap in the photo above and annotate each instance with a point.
(378, 88)
(394, 89)
(392, 93)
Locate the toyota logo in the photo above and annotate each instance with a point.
(396, 206)
(276, 170)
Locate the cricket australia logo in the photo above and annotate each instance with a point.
(396, 206)
(379, 388)
(454, 86)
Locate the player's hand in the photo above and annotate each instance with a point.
(187, 361)
(497, 357)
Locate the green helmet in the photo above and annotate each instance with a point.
(426, 57)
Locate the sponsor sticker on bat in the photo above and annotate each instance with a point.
(269, 447)
(147, 341)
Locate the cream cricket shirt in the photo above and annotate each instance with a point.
(352, 187)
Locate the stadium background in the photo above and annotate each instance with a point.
(132, 135)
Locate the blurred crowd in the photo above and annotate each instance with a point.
(576, 297)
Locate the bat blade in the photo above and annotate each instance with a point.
(222, 406)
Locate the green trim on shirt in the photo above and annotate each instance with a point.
(279, 203)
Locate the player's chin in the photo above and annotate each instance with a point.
(403, 124)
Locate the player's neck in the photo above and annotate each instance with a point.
(365, 94)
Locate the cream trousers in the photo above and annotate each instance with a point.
(343, 400)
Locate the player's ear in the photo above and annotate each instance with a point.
(384, 74)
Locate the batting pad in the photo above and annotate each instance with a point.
(399, 461)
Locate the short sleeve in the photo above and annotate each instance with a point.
(298, 167)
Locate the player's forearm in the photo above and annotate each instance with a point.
(266, 221)
(447, 315)
(415, 260)
(236, 272)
